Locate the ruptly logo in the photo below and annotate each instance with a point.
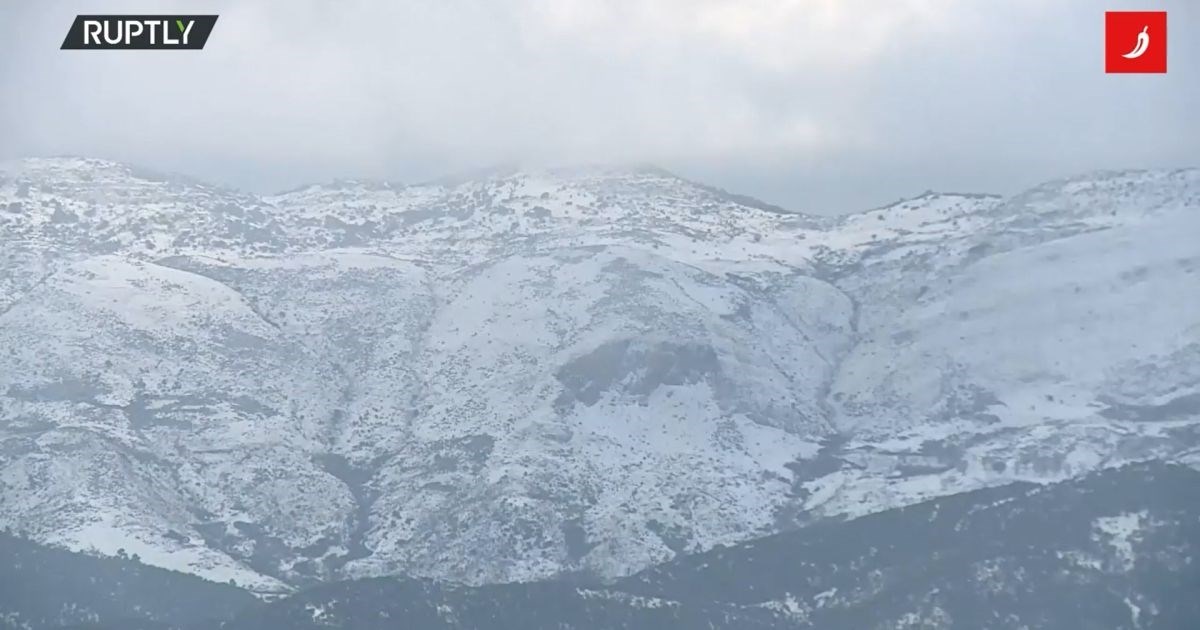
(139, 32)
(1135, 42)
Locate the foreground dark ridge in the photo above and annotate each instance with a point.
(1109, 551)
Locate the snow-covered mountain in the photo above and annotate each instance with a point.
(590, 370)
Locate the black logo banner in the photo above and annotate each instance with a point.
(139, 32)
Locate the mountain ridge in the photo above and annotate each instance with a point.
(523, 376)
(1107, 550)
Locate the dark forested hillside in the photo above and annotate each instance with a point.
(41, 587)
(1113, 550)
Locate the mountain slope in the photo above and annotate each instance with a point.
(1109, 551)
(530, 373)
(50, 588)
(1022, 348)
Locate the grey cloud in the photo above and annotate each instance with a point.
(816, 105)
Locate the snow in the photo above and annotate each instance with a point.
(790, 606)
(617, 353)
(1119, 532)
(1135, 613)
(820, 599)
(106, 535)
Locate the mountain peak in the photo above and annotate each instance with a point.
(585, 369)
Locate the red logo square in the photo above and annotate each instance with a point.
(1135, 41)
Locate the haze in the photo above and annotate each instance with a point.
(817, 105)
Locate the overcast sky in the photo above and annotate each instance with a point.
(817, 105)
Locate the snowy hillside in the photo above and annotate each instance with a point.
(589, 370)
